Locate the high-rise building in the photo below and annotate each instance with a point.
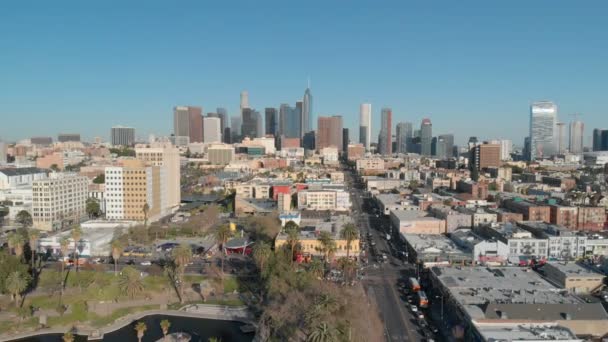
(365, 125)
(426, 137)
(167, 155)
(3, 152)
(597, 139)
(404, 135)
(485, 155)
(445, 146)
(290, 121)
(345, 139)
(236, 123)
(543, 119)
(59, 200)
(123, 136)
(307, 112)
(259, 119)
(227, 136)
(385, 143)
(249, 128)
(308, 142)
(66, 137)
(560, 137)
(43, 141)
(244, 100)
(329, 132)
(187, 124)
(213, 130)
(220, 154)
(222, 113)
(577, 129)
(271, 121)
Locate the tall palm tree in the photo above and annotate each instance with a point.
(33, 236)
(76, 234)
(328, 245)
(130, 282)
(141, 328)
(16, 283)
(164, 326)
(68, 337)
(261, 253)
(349, 233)
(65, 248)
(222, 234)
(117, 250)
(16, 243)
(146, 210)
(316, 268)
(321, 333)
(293, 236)
(181, 255)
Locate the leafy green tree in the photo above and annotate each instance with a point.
(8, 265)
(92, 208)
(261, 254)
(349, 233)
(16, 283)
(141, 328)
(181, 256)
(316, 268)
(130, 282)
(145, 209)
(16, 242)
(164, 326)
(293, 237)
(327, 245)
(100, 179)
(24, 219)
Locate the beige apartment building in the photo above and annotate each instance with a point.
(59, 200)
(167, 155)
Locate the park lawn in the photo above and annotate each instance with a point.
(100, 321)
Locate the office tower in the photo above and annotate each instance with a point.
(213, 130)
(222, 113)
(445, 146)
(66, 137)
(308, 142)
(220, 154)
(290, 121)
(135, 184)
(385, 146)
(123, 136)
(485, 155)
(3, 152)
(249, 128)
(345, 139)
(404, 137)
(236, 123)
(299, 114)
(426, 137)
(434, 146)
(560, 138)
(59, 200)
(244, 100)
(164, 154)
(329, 132)
(526, 150)
(365, 125)
(577, 129)
(597, 139)
(307, 112)
(227, 136)
(259, 124)
(187, 124)
(543, 118)
(271, 121)
(42, 141)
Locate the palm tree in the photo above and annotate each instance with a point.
(68, 337)
(130, 282)
(65, 247)
(349, 233)
(181, 255)
(76, 235)
(164, 326)
(316, 268)
(117, 249)
(16, 243)
(321, 333)
(347, 267)
(16, 283)
(293, 234)
(141, 328)
(33, 235)
(146, 210)
(222, 234)
(328, 245)
(261, 253)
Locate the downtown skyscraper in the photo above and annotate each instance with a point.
(577, 129)
(543, 122)
(307, 118)
(426, 137)
(385, 143)
(187, 125)
(329, 132)
(404, 133)
(271, 121)
(365, 125)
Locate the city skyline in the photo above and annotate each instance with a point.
(80, 82)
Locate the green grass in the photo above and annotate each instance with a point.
(105, 320)
(230, 284)
(79, 313)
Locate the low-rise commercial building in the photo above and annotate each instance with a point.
(337, 200)
(573, 277)
(59, 200)
(416, 222)
(431, 250)
(530, 211)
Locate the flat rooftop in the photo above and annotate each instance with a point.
(526, 332)
(433, 244)
(572, 269)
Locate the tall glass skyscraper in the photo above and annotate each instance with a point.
(307, 118)
(445, 146)
(385, 139)
(365, 125)
(543, 120)
(426, 137)
(289, 121)
(404, 135)
(576, 136)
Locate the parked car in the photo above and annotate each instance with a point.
(413, 308)
(146, 263)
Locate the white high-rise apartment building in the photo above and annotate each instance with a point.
(543, 120)
(244, 99)
(506, 147)
(365, 125)
(212, 130)
(58, 200)
(164, 154)
(577, 129)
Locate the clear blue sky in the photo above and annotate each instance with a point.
(473, 67)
